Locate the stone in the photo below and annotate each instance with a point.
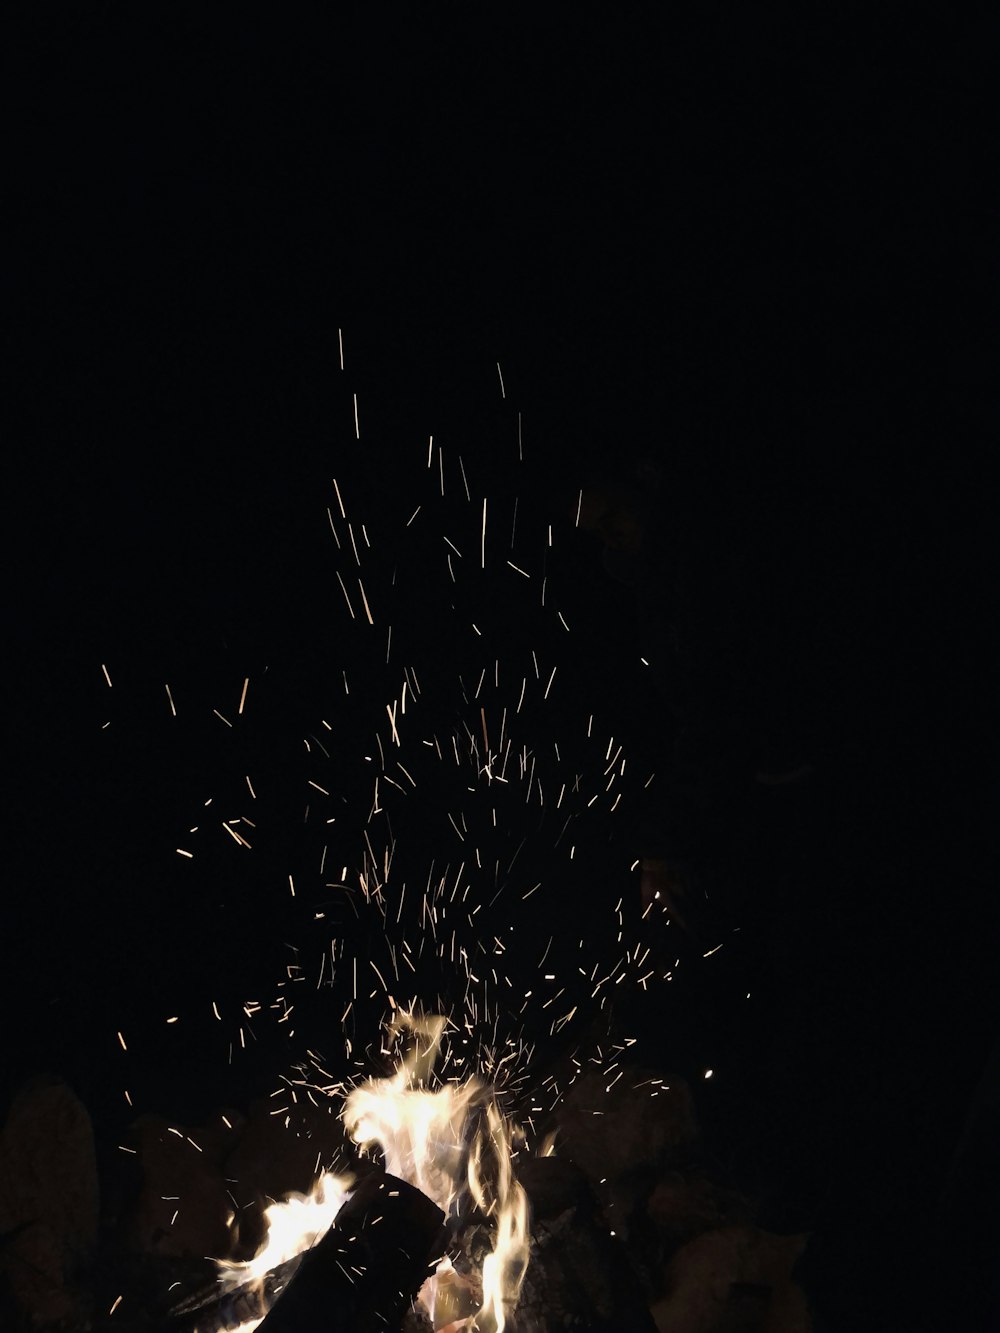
(184, 1208)
(734, 1280)
(48, 1200)
(624, 1134)
(683, 1204)
(643, 1120)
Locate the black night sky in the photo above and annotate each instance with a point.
(748, 252)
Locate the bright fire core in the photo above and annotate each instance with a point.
(454, 1144)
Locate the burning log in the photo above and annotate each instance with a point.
(446, 1149)
(366, 1271)
(363, 1275)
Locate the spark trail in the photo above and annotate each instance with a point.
(456, 798)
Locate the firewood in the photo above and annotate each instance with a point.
(363, 1275)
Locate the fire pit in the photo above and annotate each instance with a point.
(449, 1237)
(449, 1200)
(445, 835)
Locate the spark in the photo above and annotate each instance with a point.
(451, 899)
(106, 676)
(354, 545)
(391, 711)
(170, 699)
(344, 591)
(357, 427)
(234, 835)
(329, 519)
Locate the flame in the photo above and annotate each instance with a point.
(504, 1268)
(293, 1225)
(454, 1144)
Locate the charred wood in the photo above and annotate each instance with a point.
(362, 1276)
(579, 1275)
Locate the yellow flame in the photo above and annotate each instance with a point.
(448, 1142)
(420, 1133)
(294, 1225)
(454, 1144)
(504, 1268)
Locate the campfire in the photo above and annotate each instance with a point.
(446, 1220)
(452, 848)
(510, 806)
(451, 1143)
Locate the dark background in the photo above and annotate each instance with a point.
(748, 247)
